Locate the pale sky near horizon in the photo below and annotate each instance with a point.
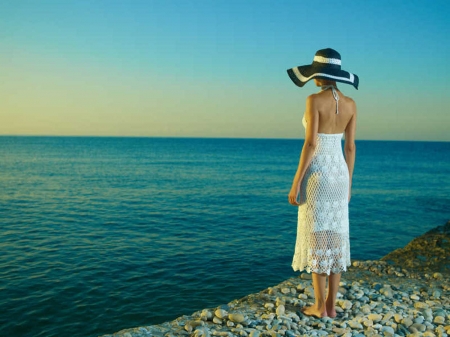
(218, 68)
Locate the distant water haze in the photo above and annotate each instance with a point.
(100, 234)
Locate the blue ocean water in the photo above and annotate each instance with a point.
(102, 234)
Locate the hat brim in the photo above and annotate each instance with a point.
(302, 74)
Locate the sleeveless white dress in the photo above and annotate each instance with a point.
(323, 244)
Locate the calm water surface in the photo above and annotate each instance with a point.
(101, 234)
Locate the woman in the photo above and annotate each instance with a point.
(322, 183)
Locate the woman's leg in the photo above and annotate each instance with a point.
(319, 308)
(333, 286)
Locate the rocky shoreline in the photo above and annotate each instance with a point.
(406, 293)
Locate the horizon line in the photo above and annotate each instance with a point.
(206, 137)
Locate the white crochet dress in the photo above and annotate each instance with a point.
(323, 228)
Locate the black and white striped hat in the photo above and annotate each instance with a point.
(326, 65)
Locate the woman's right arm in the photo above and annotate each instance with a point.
(350, 148)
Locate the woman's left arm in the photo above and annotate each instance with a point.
(309, 146)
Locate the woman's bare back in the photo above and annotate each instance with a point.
(329, 121)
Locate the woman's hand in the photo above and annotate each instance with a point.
(293, 195)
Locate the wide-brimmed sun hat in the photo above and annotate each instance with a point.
(326, 65)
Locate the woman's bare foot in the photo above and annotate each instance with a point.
(331, 311)
(315, 311)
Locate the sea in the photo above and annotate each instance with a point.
(100, 234)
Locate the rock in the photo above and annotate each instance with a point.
(206, 315)
(387, 292)
(388, 331)
(309, 291)
(368, 323)
(420, 305)
(398, 318)
(285, 290)
(414, 297)
(305, 276)
(375, 317)
(407, 321)
(269, 306)
(217, 320)
(280, 310)
(438, 276)
(437, 294)
(419, 327)
(201, 332)
(355, 324)
(427, 314)
(439, 320)
(236, 317)
(221, 313)
(428, 334)
(255, 333)
(346, 305)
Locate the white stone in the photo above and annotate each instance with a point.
(346, 305)
(439, 320)
(414, 297)
(221, 313)
(230, 324)
(206, 315)
(217, 320)
(285, 291)
(269, 305)
(280, 310)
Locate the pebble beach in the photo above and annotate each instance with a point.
(406, 293)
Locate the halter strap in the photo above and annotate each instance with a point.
(335, 95)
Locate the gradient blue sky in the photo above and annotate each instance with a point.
(218, 68)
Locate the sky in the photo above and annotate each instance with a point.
(218, 68)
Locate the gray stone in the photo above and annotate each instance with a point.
(427, 314)
(407, 321)
(419, 327)
(388, 331)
